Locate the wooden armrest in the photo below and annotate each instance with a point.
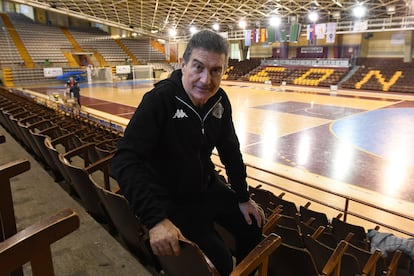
(370, 266)
(21, 113)
(271, 222)
(307, 204)
(49, 129)
(36, 124)
(318, 232)
(60, 139)
(333, 265)
(258, 257)
(393, 265)
(79, 150)
(349, 236)
(309, 221)
(33, 243)
(14, 168)
(101, 163)
(25, 119)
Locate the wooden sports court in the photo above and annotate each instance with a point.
(351, 143)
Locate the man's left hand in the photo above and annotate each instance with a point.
(251, 208)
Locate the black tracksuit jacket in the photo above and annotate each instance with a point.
(166, 148)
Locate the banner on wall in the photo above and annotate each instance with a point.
(360, 25)
(330, 32)
(52, 72)
(320, 30)
(247, 37)
(295, 29)
(271, 34)
(311, 33)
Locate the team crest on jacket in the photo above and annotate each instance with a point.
(218, 111)
(179, 114)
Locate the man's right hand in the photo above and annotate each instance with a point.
(164, 238)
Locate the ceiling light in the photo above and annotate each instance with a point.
(390, 9)
(336, 15)
(359, 11)
(172, 32)
(313, 16)
(193, 29)
(275, 20)
(216, 26)
(242, 24)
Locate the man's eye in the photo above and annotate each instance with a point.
(216, 72)
(198, 67)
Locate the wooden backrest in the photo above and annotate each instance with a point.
(33, 244)
(328, 259)
(341, 229)
(289, 260)
(85, 189)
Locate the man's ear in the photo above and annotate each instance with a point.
(181, 61)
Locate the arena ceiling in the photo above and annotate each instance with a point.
(156, 17)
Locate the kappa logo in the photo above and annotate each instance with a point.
(179, 114)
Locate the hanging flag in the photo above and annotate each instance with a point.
(310, 33)
(256, 35)
(247, 37)
(330, 32)
(284, 32)
(294, 32)
(263, 35)
(271, 34)
(320, 30)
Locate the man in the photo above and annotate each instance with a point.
(163, 163)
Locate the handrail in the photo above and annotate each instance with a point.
(345, 210)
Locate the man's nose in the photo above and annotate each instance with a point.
(205, 77)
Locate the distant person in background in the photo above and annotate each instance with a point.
(68, 85)
(76, 92)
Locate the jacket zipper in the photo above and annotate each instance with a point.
(202, 120)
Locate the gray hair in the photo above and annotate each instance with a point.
(209, 41)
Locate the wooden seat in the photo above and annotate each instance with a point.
(81, 182)
(33, 244)
(341, 229)
(65, 143)
(319, 218)
(192, 261)
(289, 260)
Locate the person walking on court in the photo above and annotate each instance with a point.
(163, 162)
(75, 90)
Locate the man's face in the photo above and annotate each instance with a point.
(202, 75)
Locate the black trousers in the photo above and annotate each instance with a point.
(196, 217)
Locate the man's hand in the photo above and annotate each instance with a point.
(252, 208)
(164, 238)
